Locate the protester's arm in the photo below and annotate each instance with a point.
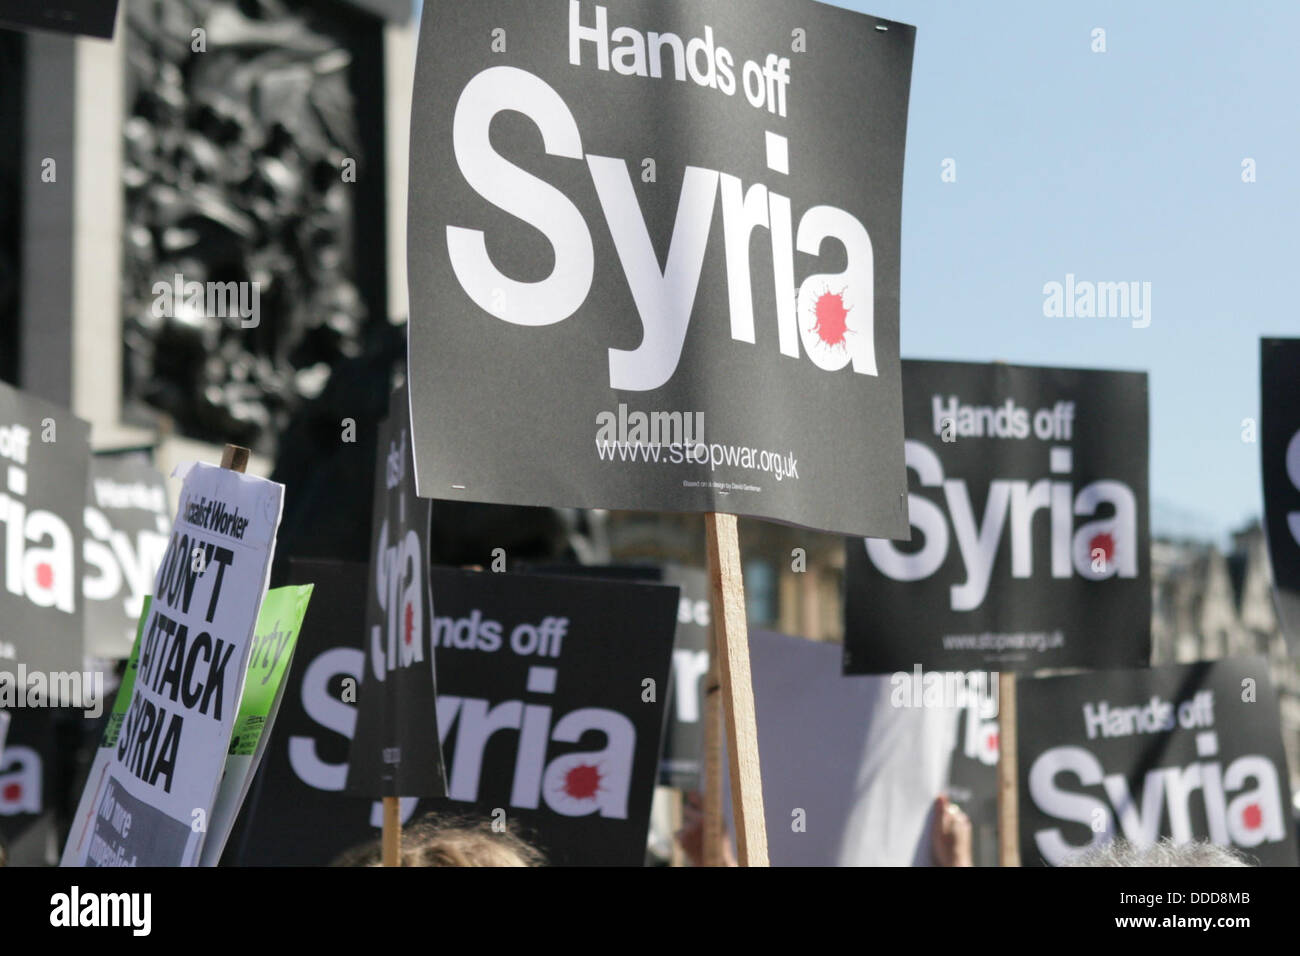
(691, 835)
(950, 834)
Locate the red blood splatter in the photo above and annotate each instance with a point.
(993, 741)
(582, 781)
(1252, 816)
(410, 622)
(832, 319)
(45, 575)
(13, 792)
(1105, 543)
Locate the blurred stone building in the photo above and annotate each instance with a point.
(1206, 605)
(794, 578)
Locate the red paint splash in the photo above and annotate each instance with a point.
(44, 575)
(832, 319)
(1105, 543)
(1252, 817)
(410, 622)
(582, 781)
(13, 792)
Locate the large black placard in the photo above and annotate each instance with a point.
(1030, 539)
(1188, 752)
(654, 257)
(547, 720)
(553, 704)
(393, 753)
(44, 461)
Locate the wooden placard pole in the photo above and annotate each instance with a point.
(731, 640)
(392, 839)
(1008, 805)
(714, 832)
(235, 458)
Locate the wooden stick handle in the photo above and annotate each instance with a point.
(1008, 806)
(714, 832)
(235, 458)
(732, 637)
(392, 840)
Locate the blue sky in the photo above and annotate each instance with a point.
(1123, 165)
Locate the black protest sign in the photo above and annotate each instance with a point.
(564, 747)
(390, 756)
(684, 733)
(44, 462)
(89, 17)
(127, 523)
(683, 739)
(1030, 537)
(296, 812)
(973, 769)
(552, 705)
(27, 778)
(654, 257)
(1279, 375)
(1190, 752)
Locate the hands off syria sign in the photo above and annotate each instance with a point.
(1030, 532)
(44, 457)
(1188, 752)
(654, 258)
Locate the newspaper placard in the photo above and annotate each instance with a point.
(151, 800)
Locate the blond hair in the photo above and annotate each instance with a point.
(449, 841)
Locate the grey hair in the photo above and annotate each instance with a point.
(1164, 853)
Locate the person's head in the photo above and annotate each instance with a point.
(442, 841)
(1163, 853)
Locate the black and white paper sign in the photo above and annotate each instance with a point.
(1280, 458)
(127, 521)
(1030, 537)
(44, 460)
(148, 799)
(654, 257)
(394, 754)
(1190, 752)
